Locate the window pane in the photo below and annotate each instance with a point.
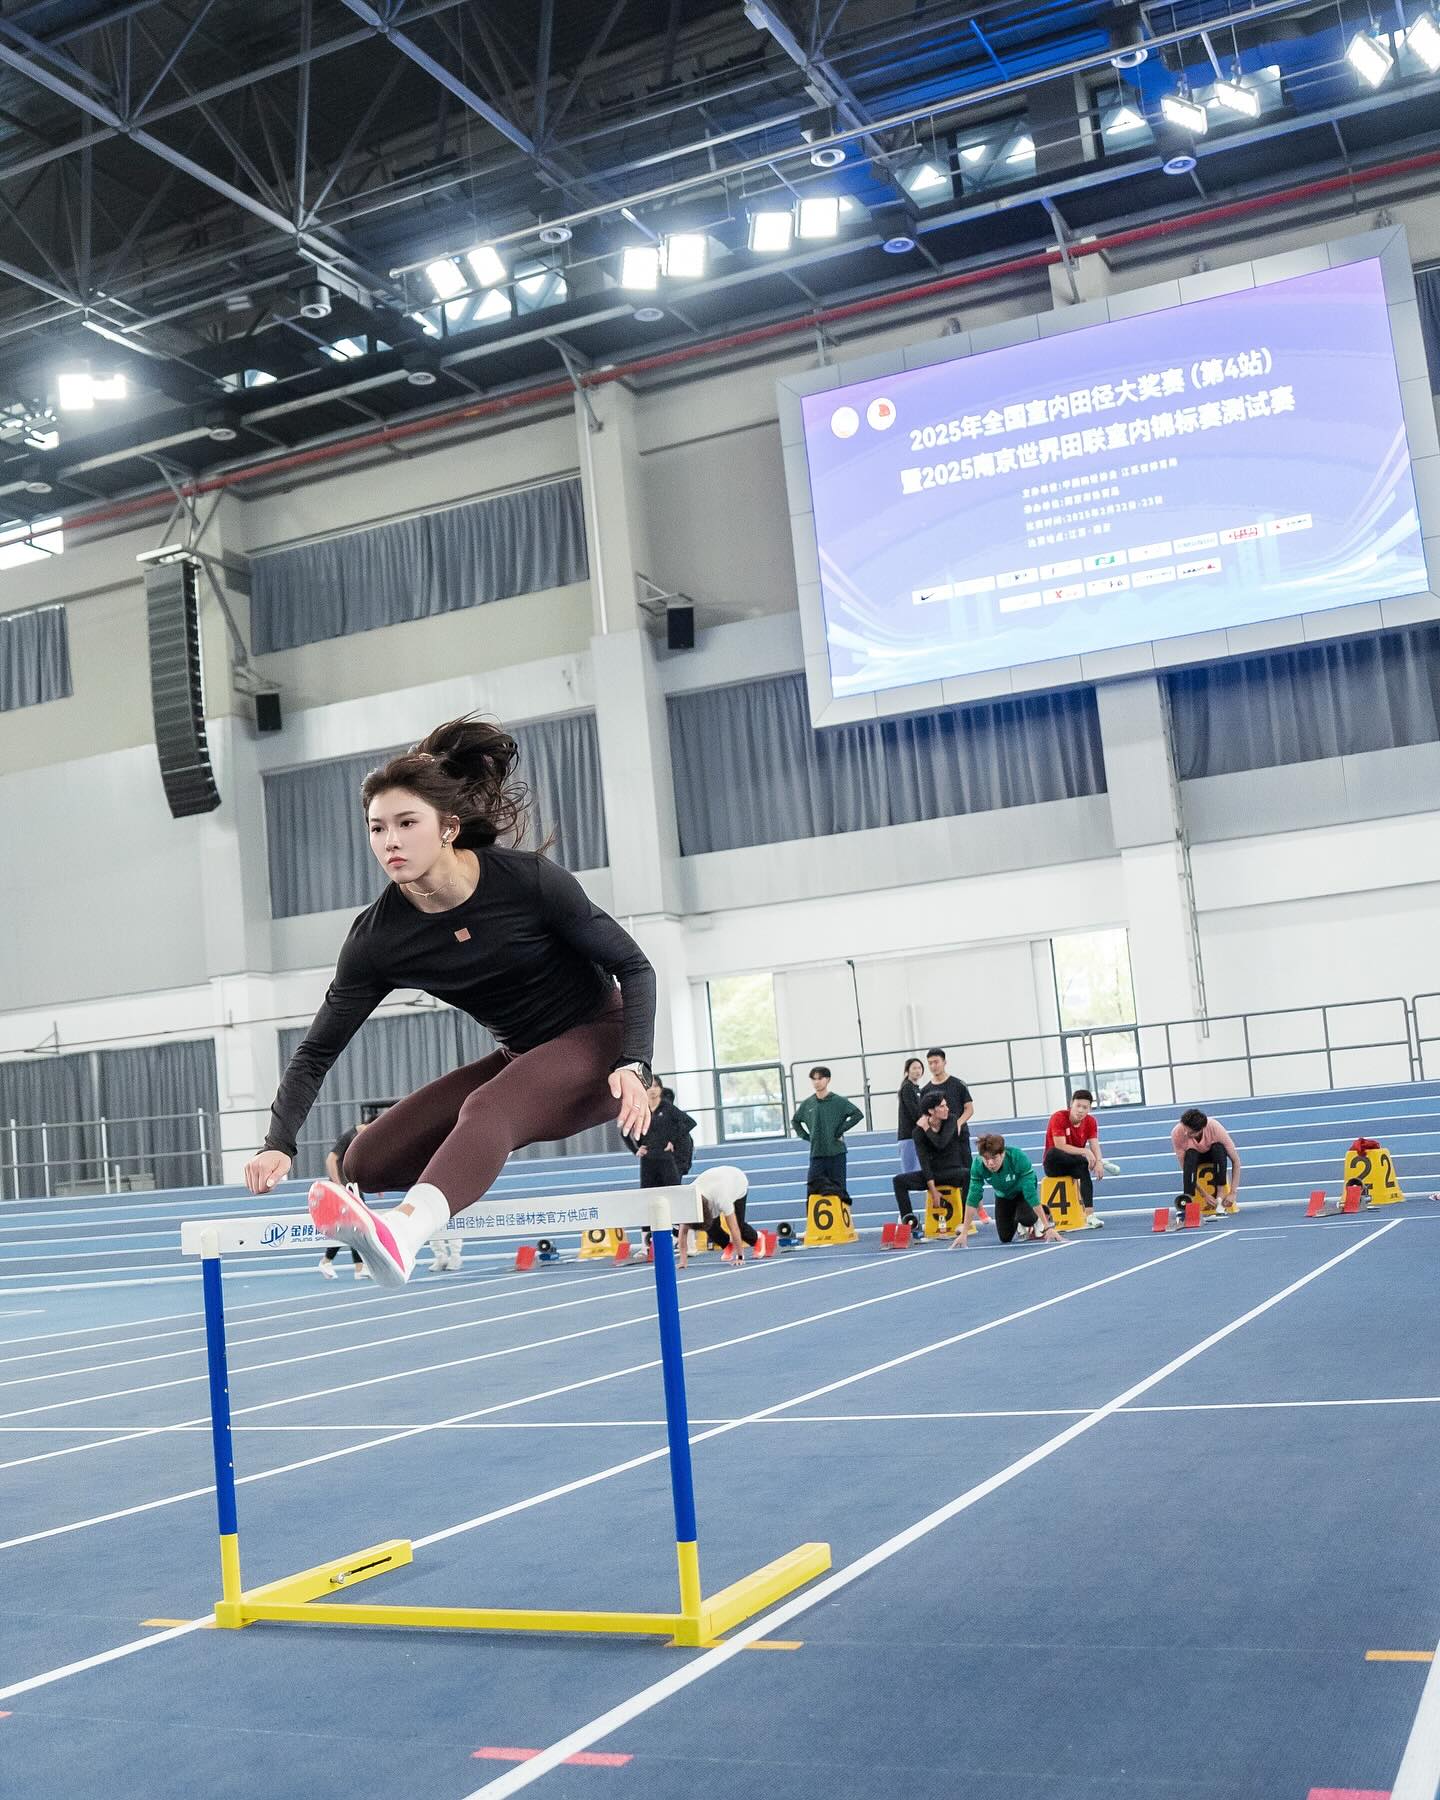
(742, 1019)
(1092, 979)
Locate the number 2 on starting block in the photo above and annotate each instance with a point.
(1375, 1173)
(828, 1221)
(1060, 1196)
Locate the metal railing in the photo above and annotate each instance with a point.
(1237, 1055)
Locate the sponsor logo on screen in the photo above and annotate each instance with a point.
(844, 421)
(880, 414)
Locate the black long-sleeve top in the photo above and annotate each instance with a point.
(527, 955)
(668, 1127)
(909, 1115)
(942, 1153)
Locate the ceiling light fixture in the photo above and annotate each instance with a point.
(555, 234)
(1024, 151)
(771, 231)
(1189, 115)
(819, 216)
(486, 265)
(1370, 59)
(647, 315)
(640, 267)
(1234, 97)
(899, 245)
(446, 278)
(1423, 37)
(683, 254)
(1180, 164)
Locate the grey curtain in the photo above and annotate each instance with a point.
(391, 1057)
(315, 832)
(150, 1098)
(1258, 712)
(34, 657)
(1427, 292)
(748, 769)
(440, 562)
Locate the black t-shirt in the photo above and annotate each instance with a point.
(527, 955)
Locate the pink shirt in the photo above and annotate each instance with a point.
(1214, 1133)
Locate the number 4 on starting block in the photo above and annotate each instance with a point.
(1060, 1196)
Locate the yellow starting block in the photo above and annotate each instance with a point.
(1211, 1202)
(1060, 1196)
(601, 1243)
(828, 1221)
(943, 1221)
(1374, 1173)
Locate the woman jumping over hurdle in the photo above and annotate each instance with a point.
(502, 934)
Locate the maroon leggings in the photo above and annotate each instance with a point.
(457, 1132)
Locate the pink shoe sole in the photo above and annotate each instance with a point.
(336, 1213)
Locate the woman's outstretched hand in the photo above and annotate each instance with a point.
(627, 1087)
(265, 1169)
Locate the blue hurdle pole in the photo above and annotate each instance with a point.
(220, 1437)
(677, 1413)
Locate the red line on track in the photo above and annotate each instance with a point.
(607, 1759)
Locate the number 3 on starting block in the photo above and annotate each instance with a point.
(828, 1221)
(1373, 1171)
(1060, 1196)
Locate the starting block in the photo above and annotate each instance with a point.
(1373, 1173)
(1167, 1219)
(525, 1257)
(941, 1221)
(624, 1250)
(895, 1235)
(828, 1221)
(310, 1596)
(601, 1243)
(1060, 1196)
(1321, 1208)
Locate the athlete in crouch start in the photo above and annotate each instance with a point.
(501, 933)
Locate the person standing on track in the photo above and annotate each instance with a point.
(1199, 1143)
(502, 934)
(908, 1114)
(822, 1119)
(1017, 1202)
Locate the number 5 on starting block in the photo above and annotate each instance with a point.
(944, 1220)
(828, 1221)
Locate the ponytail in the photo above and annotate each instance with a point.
(465, 768)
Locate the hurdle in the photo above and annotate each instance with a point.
(298, 1599)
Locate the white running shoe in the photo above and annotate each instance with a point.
(454, 1264)
(1094, 1222)
(327, 1267)
(1110, 1168)
(337, 1213)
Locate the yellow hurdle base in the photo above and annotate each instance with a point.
(296, 1599)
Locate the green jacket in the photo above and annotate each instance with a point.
(1016, 1175)
(825, 1122)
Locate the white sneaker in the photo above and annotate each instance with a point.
(337, 1213)
(1094, 1222)
(454, 1264)
(1110, 1168)
(327, 1267)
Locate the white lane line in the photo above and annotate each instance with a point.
(1419, 1774)
(523, 1775)
(478, 1412)
(150, 1639)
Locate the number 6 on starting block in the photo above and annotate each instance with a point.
(828, 1221)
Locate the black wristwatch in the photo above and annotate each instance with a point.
(642, 1069)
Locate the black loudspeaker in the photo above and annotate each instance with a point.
(267, 713)
(177, 694)
(679, 627)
